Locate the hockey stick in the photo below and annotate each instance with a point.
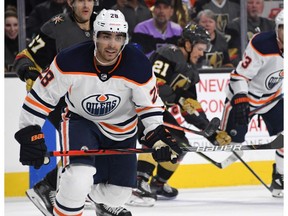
(264, 105)
(207, 132)
(275, 144)
(225, 163)
(252, 171)
(232, 158)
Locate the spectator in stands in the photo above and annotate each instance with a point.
(159, 30)
(218, 55)
(9, 3)
(119, 4)
(181, 13)
(42, 13)
(225, 11)
(107, 4)
(11, 36)
(149, 3)
(255, 24)
(134, 12)
(196, 7)
(31, 4)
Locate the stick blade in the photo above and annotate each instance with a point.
(277, 143)
(212, 126)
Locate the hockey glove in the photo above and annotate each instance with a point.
(29, 74)
(240, 104)
(164, 145)
(32, 146)
(190, 105)
(220, 138)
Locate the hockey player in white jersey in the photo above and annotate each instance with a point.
(107, 85)
(257, 80)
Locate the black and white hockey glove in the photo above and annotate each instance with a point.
(165, 146)
(240, 104)
(32, 146)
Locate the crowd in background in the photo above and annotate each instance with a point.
(221, 18)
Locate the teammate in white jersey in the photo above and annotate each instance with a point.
(257, 80)
(107, 85)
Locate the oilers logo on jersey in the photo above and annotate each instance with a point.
(274, 78)
(100, 105)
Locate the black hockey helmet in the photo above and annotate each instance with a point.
(196, 34)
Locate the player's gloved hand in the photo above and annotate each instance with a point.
(240, 104)
(165, 146)
(222, 138)
(190, 105)
(32, 146)
(28, 73)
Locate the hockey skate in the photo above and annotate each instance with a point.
(142, 196)
(42, 196)
(277, 184)
(163, 190)
(104, 210)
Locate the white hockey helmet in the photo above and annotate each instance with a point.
(111, 21)
(279, 19)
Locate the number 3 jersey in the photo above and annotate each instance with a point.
(260, 73)
(111, 97)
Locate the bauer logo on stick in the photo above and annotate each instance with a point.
(237, 147)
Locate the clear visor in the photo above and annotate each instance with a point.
(205, 47)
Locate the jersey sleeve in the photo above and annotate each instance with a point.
(149, 105)
(40, 53)
(42, 49)
(247, 68)
(44, 96)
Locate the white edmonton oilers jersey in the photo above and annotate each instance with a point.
(114, 103)
(260, 73)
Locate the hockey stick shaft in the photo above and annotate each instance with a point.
(226, 162)
(277, 143)
(223, 164)
(266, 104)
(251, 170)
(208, 131)
(273, 145)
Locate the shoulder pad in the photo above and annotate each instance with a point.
(57, 19)
(265, 42)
